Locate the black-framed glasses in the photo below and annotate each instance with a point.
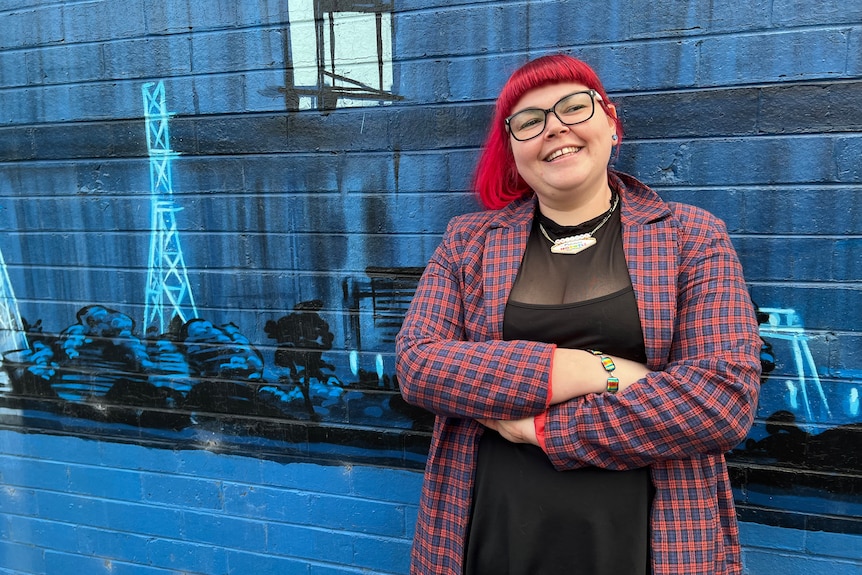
(570, 110)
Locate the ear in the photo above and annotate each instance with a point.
(613, 110)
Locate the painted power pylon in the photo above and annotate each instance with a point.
(168, 293)
(12, 336)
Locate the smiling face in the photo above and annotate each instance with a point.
(566, 165)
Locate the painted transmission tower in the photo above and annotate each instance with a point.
(168, 292)
(12, 336)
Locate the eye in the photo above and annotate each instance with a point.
(573, 108)
(526, 120)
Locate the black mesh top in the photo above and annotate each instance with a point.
(528, 518)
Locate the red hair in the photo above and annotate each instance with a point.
(496, 180)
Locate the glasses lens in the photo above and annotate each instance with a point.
(527, 124)
(575, 109)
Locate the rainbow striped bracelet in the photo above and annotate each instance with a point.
(613, 384)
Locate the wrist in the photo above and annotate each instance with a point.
(612, 383)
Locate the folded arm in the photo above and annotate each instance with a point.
(702, 401)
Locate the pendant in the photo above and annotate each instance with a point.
(573, 245)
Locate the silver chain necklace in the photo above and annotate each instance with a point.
(577, 244)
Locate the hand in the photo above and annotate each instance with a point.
(516, 431)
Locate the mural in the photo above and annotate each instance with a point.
(313, 381)
(804, 453)
(178, 371)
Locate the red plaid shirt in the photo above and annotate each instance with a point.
(698, 402)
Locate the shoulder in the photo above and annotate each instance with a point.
(696, 224)
(646, 206)
(695, 218)
(476, 225)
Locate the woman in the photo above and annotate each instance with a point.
(590, 353)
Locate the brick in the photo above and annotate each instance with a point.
(182, 492)
(31, 27)
(112, 545)
(240, 562)
(69, 563)
(774, 538)
(385, 555)
(847, 260)
(65, 64)
(105, 483)
(316, 569)
(71, 508)
(142, 519)
(237, 51)
(310, 543)
(216, 15)
(791, 259)
(23, 558)
(854, 53)
(144, 58)
(847, 153)
(140, 458)
(88, 22)
(846, 355)
(823, 308)
(380, 484)
(19, 107)
(767, 562)
(460, 30)
(18, 501)
(801, 160)
(813, 212)
(699, 17)
(831, 107)
(698, 89)
(847, 546)
(19, 473)
(168, 17)
(40, 533)
(222, 531)
(261, 13)
(182, 556)
(264, 90)
(268, 504)
(679, 114)
(217, 466)
(308, 477)
(779, 57)
(357, 515)
(13, 70)
(788, 13)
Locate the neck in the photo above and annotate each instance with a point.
(574, 213)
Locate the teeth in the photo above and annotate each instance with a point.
(561, 152)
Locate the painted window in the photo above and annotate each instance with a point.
(341, 53)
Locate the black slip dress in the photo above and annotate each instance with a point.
(528, 518)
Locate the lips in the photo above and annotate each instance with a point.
(562, 152)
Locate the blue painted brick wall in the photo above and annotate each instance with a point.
(90, 505)
(752, 110)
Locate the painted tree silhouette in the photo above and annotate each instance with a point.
(303, 336)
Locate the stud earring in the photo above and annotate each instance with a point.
(614, 138)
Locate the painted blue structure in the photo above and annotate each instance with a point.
(321, 147)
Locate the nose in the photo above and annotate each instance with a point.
(554, 126)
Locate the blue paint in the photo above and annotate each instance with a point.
(168, 293)
(283, 207)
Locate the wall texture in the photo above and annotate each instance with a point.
(215, 214)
